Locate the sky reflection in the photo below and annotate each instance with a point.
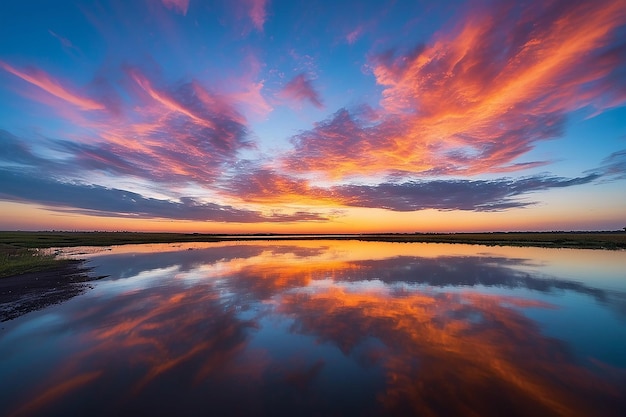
(321, 328)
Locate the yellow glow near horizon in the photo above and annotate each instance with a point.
(21, 216)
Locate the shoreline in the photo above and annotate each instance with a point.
(612, 240)
(35, 290)
(63, 279)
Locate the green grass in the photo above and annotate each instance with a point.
(581, 240)
(15, 261)
(63, 239)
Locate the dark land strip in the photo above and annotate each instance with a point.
(581, 240)
(31, 291)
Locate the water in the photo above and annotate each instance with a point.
(327, 328)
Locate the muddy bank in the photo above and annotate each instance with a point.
(21, 294)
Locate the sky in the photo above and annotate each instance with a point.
(293, 116)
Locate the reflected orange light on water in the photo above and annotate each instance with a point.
(434, 347)
(441, 351)
(57, 391)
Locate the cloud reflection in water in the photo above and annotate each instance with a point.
(314, 328)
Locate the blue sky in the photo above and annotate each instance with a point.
(296, 116)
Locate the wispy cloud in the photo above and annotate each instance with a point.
(50, 85)
(179, 132)
(262, 185)
(354, 35)
(179, 6)
(66, 43)
(15, 151)
(259, 185)
(470, 100)
(300, 89)
(472, 195)
(258, 13)
(345, 144)
(613, 166)
(251, 99)
(246, 91)
(96, 200)
(474, 99)
(174, 133)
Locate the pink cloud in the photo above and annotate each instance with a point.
(216, 104)
(258, 13)
(177, 133)
(167, 101)
(300, 89)
(179, 6)
(247, 90)
(263, 185)
(353, 36)
(251, 99)
(52, 86)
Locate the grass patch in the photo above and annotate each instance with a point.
(16, 260)
(18, 254)
(64, 239)
(580, 240)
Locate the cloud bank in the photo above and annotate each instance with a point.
(477, 97)
(96, 200)
(267, 186)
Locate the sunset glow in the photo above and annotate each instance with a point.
(296, 117)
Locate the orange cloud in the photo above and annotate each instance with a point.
(56, 392)
(475, 100)
(449, 354)
(267, 186)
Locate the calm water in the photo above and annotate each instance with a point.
(327, 328)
